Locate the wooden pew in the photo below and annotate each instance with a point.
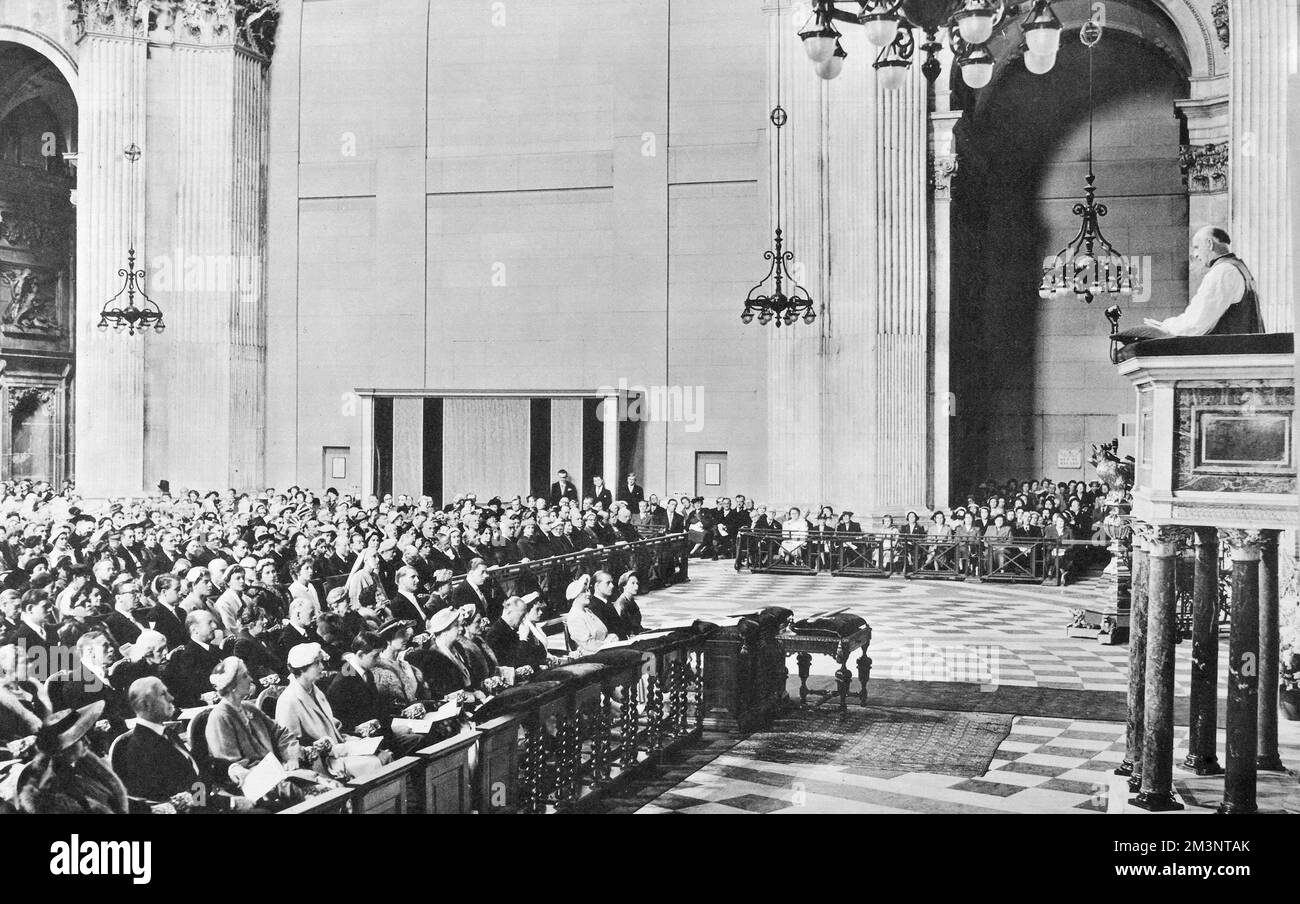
(445, 785)
(337, 801)
(388, 790)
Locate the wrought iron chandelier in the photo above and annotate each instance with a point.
(1089, 265)
(970, 25)
(132, 316)
(785, 301)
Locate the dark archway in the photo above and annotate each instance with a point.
(38, 140)
(1032, 378)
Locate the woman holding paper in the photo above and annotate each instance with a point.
(241, 734)
(305, 712)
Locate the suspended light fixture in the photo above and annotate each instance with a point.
(968, 24)
(1089, 265)
(778, 296)
(834, 66)
(129, 314)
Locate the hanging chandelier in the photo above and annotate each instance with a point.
(969, 24)
(778, 295)
(1089, 265)
(131, 315)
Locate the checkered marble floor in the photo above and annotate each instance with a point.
(939, 631)
(1044, 766)
(999, 634)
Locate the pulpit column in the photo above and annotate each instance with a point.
(1157, 790)
(1137, 658)
(1202, 756)
(1243, 674)
(1269, 652)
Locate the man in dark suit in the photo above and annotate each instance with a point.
(676, 523)
(563, 488)
(34, 630)
(189, 668)
(167, 618)
(301, 628)
(600, 493)
(154, 764)
(632, 492)
(502, 635)
(476, 591)
(405, 605)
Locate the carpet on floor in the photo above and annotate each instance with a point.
(1043, 702)
(875, 737)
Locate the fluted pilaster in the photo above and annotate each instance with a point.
(1264, 37)
(848, 397)
(109, 398)
(795, 357)
(207, 379)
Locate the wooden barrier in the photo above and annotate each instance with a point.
(1018, 559)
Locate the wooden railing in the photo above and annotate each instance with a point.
(601, 718)
(1027, 559)
(658, 561)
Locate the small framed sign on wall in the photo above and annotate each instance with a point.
(1069, 459)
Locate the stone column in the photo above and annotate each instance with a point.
(110, 398)
(1269, 652)
(1264, 37)
(1240, 770)
(1202, 756)
(1137, 659)
(849, 393)
(944, 165)
(1157, 791)
(209, 98)
(796, 354)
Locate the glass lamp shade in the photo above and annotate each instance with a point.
(832, 67)
(893, 74)
(747, 316)
(809, 316)
(1039, 64)
(819, 43)
(1043, 37)
(975, 25)
(977, 68)
(881, 28)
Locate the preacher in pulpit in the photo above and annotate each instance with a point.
(1226, 302)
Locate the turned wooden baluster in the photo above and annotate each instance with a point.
(530, 767)
(699, 691)
(629, 723)
(654, 714)
(600, 741)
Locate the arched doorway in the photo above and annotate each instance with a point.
(38, 139)
(1033, 382)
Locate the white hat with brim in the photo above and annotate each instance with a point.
(303, 655)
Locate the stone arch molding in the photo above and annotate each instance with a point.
(1195, 23)
(47, 47)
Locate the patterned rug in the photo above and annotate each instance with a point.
(907, 740)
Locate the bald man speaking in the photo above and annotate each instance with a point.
(1226, 303)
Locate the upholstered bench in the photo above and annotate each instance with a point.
(836, 635)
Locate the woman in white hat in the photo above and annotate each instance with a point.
(306, 713)
(587, 632)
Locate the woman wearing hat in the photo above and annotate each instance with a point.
(399, 683)
(242, 735)
(305, 712)
(587, 632)
(65, 776)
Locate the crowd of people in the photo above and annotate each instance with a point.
(330, 632)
